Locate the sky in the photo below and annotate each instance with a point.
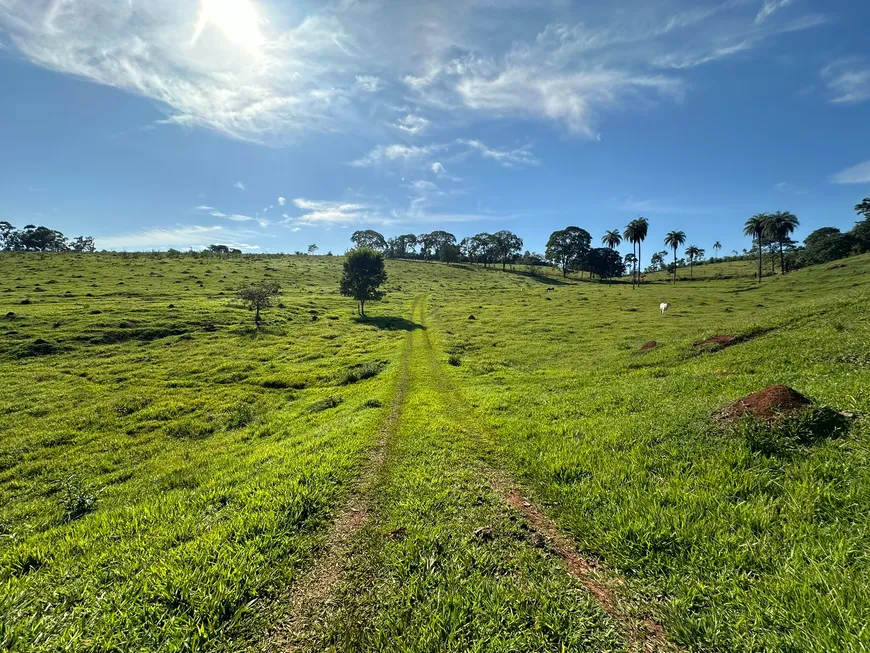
(271, 125)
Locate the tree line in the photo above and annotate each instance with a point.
(41, 239)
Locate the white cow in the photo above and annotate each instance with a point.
(663, 307)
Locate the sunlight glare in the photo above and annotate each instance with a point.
(237, 19)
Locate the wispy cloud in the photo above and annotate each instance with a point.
(368, 83)
(239, 185)
(857, 174)
(282, 201)
(252, 80)
(848, 80)
(180, 237)
(412, 124)
(789, 188)
(507, 158)
(330, 212)
(386, 153)
(203, 207)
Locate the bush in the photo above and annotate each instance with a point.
(361, 372)
(372, 403)
(454, 360)
(75, 498)
(325, 404)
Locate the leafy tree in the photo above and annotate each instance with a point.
(861, 230)
(756, 227)
(362, 275)
(441, 239)
(778, 227)
(258, 297)
(312, 248)
(219, 249)
(567, 247)
(605, 262)
(407, 243)
(449, 253)
(827, 244)
(6, 231)
(506, 245)
(630, 260)
(861, 209)
(369, 238)
(83, 244)
(480, 248)
(675, 239)
(427, 244)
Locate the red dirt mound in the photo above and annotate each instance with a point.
(652, 344)
(773, 402)
(722, 341)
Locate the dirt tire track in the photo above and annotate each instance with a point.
(644, 634)
(309, 599)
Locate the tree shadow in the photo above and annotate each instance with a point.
(389, 323)
(540, 278)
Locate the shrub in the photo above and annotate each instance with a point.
(372, 403)
(325, 404)
(361, 372)
(76, 499)
(454, 360)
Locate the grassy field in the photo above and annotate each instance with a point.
(169, 474)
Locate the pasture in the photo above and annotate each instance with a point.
(172, 478)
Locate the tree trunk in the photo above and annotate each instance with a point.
(638, 262)
(362, 307)
(257, 317)
(781, 259)
(675, 265)
(759, 259)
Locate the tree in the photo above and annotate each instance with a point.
(779, 226)
(657, 262)
(605, 262)
(6, 231)
(83, 244)
(826, 244)
(861, 230)
(675, 239)
(567, 247)
(441, 239)
(630, 261)
(611, 239)
(481, 248)
(864, 208)
(369, 238)
(312, 248)
(635, 232)
(449, 253)
(693, 254)
(716, 247)
(219, 249)
(362, 275)
(258, 297)
(755, 227)
(506, 244)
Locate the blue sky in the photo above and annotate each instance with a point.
(272, 125)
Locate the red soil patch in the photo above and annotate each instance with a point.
(652, 344)
(837, 266)
(722, 341)
(775, 401)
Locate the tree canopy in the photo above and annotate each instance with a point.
(362, 275)
(567, 247)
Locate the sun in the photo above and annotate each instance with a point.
(237, 19)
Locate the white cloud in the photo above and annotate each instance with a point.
(412, 124)
(329, 212)
(770, 6)
(203, 207)
(509, 159)
(282, 201)
(789, 188)
(240, 218)
(218, 214)
(385, 153)
(437, 168)
(858, 174)
(848, 80)
(180, 237)
(368, 83)
(239, 185)
(295, 229)
(687, 60)
(422, 185)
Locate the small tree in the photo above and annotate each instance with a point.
(449, 253)
(506, 245)
(259, 297)
(312, 248)
(363, 273)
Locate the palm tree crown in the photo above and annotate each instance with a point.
(675, 239)
(611, 239)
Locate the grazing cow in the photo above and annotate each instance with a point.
(551, 289)
(663, 307)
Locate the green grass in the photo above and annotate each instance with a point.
(167, 471)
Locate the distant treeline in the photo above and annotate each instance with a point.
(41, 239)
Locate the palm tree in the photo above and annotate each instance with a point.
(636, 232)
(780, 226)
(611, 239)
(716, 247)
(630, 234)
(675, 239)
(756, 227)
(692, 253)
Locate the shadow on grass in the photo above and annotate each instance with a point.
(540, 278)
(389, 323)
